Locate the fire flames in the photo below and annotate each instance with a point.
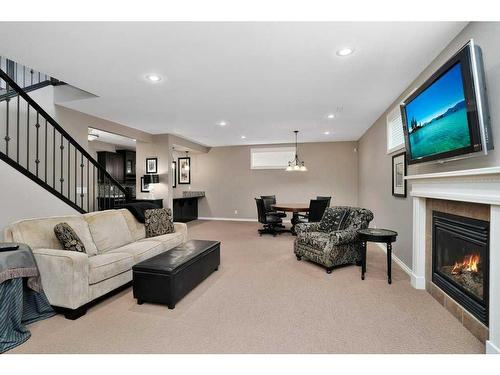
(469, 264)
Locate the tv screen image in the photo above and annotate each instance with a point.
(437, 118)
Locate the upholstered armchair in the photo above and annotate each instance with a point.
(334, 240)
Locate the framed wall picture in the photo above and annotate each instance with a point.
(152, 165)
(184, 170)
(174, 174)
(398, 174)
(144, 186)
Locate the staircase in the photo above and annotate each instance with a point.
(32, 142)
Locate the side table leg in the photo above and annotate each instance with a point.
(389, 262)
(363, 259)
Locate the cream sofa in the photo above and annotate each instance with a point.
(114, 241)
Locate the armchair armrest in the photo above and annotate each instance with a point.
(306, 228)
(181, 227)
(65, 276)
(341, 237)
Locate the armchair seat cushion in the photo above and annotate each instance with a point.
(107, 265)
(316, 239)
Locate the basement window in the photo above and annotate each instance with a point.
(395, 134)
(271, 157)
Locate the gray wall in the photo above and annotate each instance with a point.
(224, 174)
(374, 189)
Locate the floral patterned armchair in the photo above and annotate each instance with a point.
(334, 240)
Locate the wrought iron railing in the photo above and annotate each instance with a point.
(37, 146)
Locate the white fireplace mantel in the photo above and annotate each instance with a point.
(473, 185)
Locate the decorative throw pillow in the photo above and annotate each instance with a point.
(332, 220)
(68, 238)
(158, 221)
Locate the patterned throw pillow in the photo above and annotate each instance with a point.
(332, 220)
(158, 221)
(68, 238)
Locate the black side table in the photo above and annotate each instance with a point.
(377, 235)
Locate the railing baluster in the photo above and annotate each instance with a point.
(17, 131)
(69, 170)
(88, 187)
(93, 187)
(61, 179)
(24, 76)
(76, 177)
(53, 157)
(31, 72)
(7, 138)
(45, 160)
(81, 180)
(28, 138)
(37, 126)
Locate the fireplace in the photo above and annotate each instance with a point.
(460, 261)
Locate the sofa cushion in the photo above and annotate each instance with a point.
(170, 239)
(142, 250)
(39, 233)
(158, 222)
(109, 229)
(68, 238)
(105, 266)
(333, 219)
(136, 228)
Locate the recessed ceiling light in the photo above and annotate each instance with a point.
(222, 123)
(330, 116)
(243, 137)
(153, 77)
(345, 51)
(326, 133)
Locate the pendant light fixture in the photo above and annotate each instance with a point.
(296, 164)
(186, 166)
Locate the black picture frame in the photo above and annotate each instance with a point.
(174, 174)
(183, 178)
(152, 165)
(144, 187)
(399, 167)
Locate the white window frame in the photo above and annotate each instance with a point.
(393, 119)
(253, 151)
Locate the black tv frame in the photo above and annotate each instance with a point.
(464, 57)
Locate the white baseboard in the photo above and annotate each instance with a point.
(398, 261)
(233, 219)
(491, 348)
(226, 219)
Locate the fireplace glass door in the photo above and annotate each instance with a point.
(460, 258)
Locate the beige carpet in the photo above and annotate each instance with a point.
(262, 300)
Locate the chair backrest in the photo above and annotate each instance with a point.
(261, 210)
(329, 199)
(316, 209)
(269, 200)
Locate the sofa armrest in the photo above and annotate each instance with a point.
(341, 237)
(181, 227)
(306, 228)
(65, 276)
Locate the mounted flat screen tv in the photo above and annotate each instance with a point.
(447, 117)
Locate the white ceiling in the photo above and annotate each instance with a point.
(264, 79)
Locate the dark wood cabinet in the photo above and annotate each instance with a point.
(185, 209)
(113, 163)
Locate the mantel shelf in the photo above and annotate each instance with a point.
(461, 173)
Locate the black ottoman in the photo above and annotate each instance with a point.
(169, 276)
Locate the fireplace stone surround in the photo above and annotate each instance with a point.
(473, 193)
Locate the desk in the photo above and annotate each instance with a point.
(294, 208)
